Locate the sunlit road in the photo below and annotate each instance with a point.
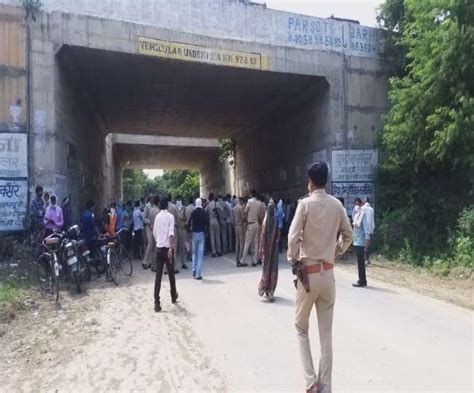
(385, 338)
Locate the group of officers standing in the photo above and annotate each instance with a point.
(234, 224)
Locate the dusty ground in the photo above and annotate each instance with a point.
(110, 335)
(457, 288)
(222, 337)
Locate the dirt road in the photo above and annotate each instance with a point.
(222, 337)
(108, 339)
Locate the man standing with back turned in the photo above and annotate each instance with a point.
(311, 242)
(163, 232)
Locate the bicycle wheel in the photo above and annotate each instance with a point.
(44, 273)
(113, 263)
(56, 270)
(126, 262)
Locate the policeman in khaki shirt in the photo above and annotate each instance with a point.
(213, 210)
(251, 213)
(239, 222)
(312, 240)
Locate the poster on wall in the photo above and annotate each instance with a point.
(13, 155)
(356, 165)
(350, 191)
(13, 197)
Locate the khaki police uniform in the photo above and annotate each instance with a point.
(224, 217)
(251, 213)
(318, 219)
(181, 232)
(239, 221)
(213, 210)
(189, 210)
(149, 219)
(174, 211)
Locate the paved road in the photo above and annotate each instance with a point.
(385, 338)
(222, 337)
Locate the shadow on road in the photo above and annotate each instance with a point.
(385, 290)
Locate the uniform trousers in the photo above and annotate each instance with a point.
(230, 233)
(322, 295)
(224, 242)
(239, 242)
(215, 235)
(251, 242)
(181, 252)
(150, 247)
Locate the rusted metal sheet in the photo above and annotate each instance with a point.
(13, 69)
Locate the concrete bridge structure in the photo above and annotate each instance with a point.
(100, 86)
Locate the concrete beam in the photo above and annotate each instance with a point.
(158, 140)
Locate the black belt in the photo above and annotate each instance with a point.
(255, 222)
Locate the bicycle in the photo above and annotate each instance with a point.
(118, 259)
(48, 267)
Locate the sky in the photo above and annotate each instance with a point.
(152, 173)
(363, 11)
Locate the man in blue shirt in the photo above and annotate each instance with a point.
(361, 235)
(89, 227)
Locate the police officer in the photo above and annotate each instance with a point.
(188, 212)
(213, 210)
(318, 219)
(239, 222)
(251, 213)
(182, 233)
(174, 211)
(223, 218)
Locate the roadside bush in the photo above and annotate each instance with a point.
(463, 240)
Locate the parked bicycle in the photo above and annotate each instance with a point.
(118, 259)
(59, 258)
(48, 267)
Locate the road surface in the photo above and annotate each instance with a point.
(222, 337)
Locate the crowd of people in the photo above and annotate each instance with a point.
(165, 234)
(253, 227)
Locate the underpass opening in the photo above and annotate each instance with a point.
(278, 120)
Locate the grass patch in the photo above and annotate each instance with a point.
(14, 297)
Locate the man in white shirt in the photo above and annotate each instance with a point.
(369, 212)
(163, 232)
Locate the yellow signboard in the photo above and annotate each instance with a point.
(201, 54)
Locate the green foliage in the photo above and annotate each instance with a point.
(463, 240)
(227, 150)
(137, 185)
(391, 19)
(427, 176)
(182, 183)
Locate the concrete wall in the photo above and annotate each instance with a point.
(80, 161)
(230, 19)
(13, 69)
(272, 154)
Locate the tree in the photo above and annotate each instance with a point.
(427, 176)
(135, 184)
(182, 183)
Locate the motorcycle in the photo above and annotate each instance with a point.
(75, 268)
(82, 252)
